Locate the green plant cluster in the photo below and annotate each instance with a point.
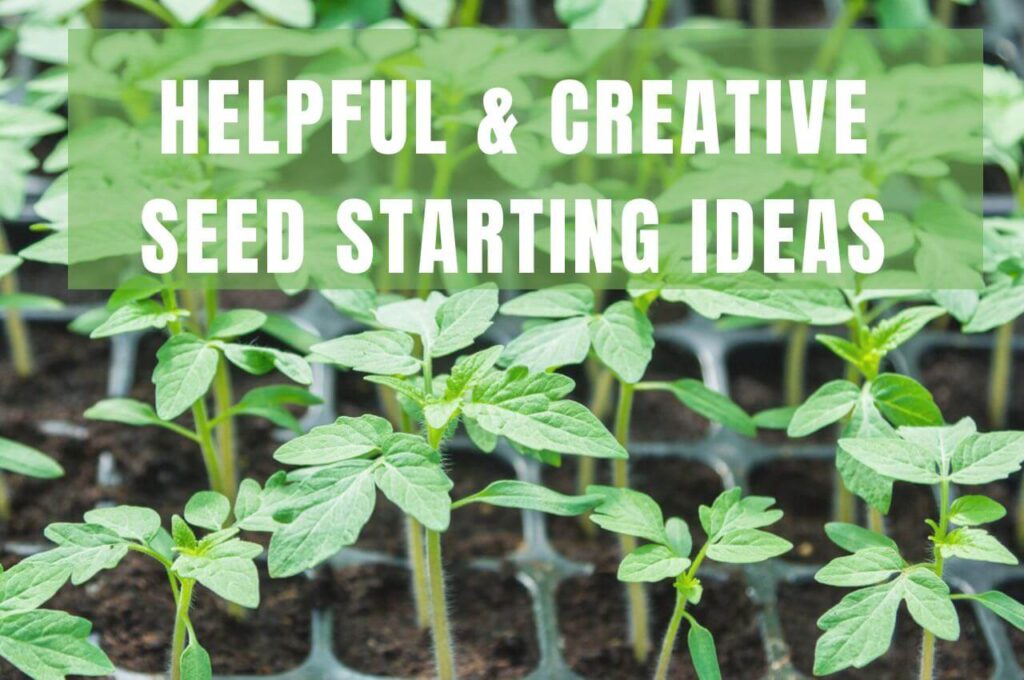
(441, 377)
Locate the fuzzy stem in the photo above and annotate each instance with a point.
(5, 500)
(927, 668)
(834, 42)
(180, 626)
(796, 364)
(444, 653)
(223, 398)
(600, 402)
(999, 376)
(665, 658)
(845, 503)
(14, 322)
(418, 563)
(875, 521)
(639, 632)
(469, 13)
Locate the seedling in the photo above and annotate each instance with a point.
(859, 629)
(872, 409)
(193, 362)
(219, 561)
(564, 328)
(346, 461)
(733, 525)
(23, 460)
(44, 644)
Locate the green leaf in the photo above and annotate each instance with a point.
(527, 496)
(601, 13)
(519, 408)
(859, 629)
(24, 460)
(730, 512)
(195, 663)
(712, 405)
(125, 411)
(1002, 605)
(130, 522)
(557, 302)
(623, 339)
(853, 538)
(892, 332)
(469, 370)
(27, 585)
(629, 512)
(895, 458)
(182, 534)
(188, 12)
(50, 645)
(904, 401)
(433, 13)
(235, 323)
(865, 567)
(291, 13)
(829, 403)
(651, 563)
(544, 346)
(462, 318)
(29, 301)
(8, 263)
(26, 122)
(678, 536)
(227, 569)
(841, 347)
(184, 371)
(975, 510)
(346, 438)
(975, 544)
(983, 458)
(775, 418)
(745, 546)
(133, 317)
(85, 549)
(270, 402)
(383, 352)
(998, 307)
(702, 652)
(283, 328)
(928, 601)
(207, 509)
(418, 486)
(333, 505)
(261, 360)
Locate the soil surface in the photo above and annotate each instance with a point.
(132, 610)
(491, 617)
(592, 618)
(756, 377)
(658, 415)
(1015, 589)
(959, 381)
(800, 606)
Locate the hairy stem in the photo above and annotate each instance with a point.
(796, 364)
(418, 564)
(999, 376)
(665, 658)
(181, 624)
(14, 322)
(639, 632)
(444, 654)
(927, 668)
(875, 520)
(223, 399)
(5, 500)
(852, 11)
(845, 509)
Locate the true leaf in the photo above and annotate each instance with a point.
(557, 302)
(859, 629)
(904, 401)
(629, 512)
(927, 598)
(49, 644)
(1003, 605)
(895, 458)
(383, 352)
(829, 403)
(975, 544)
(227, 569)
(983, 458)
(623, 339)
(184, 371)
(745, 546)
(462, 318)
(527, 496)
(975, 510)
(678, 536)
(130, 522)
(346, 438)
(713, 405)
(852, 538)
(650, 563)
(702, 652)
(24, 460)
(865, 567)
(418, 486)
(27, 585)
(545, 346)
(236, 322)
(207, 509)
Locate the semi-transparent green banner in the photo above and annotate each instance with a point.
(417, 159)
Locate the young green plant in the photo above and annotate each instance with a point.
(220, 561)
(192, 363)
(23, 460)
(859, 629)
(564, 328)
(872, 408)
(348, 460)
(733, 525)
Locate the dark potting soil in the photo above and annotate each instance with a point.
(132, 610)
(959, 381)
(375, 631)
(1006, 492)
(52, 281)
(592, 619)
(266, 300)
(658, 415)
(680, 487)
(477, 530)
(756, 378)
(800, 606)
(1015, 589)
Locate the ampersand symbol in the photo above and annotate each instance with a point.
(494, 135)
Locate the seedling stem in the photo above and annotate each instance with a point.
(796, 361)
(1001, 372)
(223, 398)
(927, 669)
(14, 322)
(182, 625)
(600, 402)
(443, 652)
